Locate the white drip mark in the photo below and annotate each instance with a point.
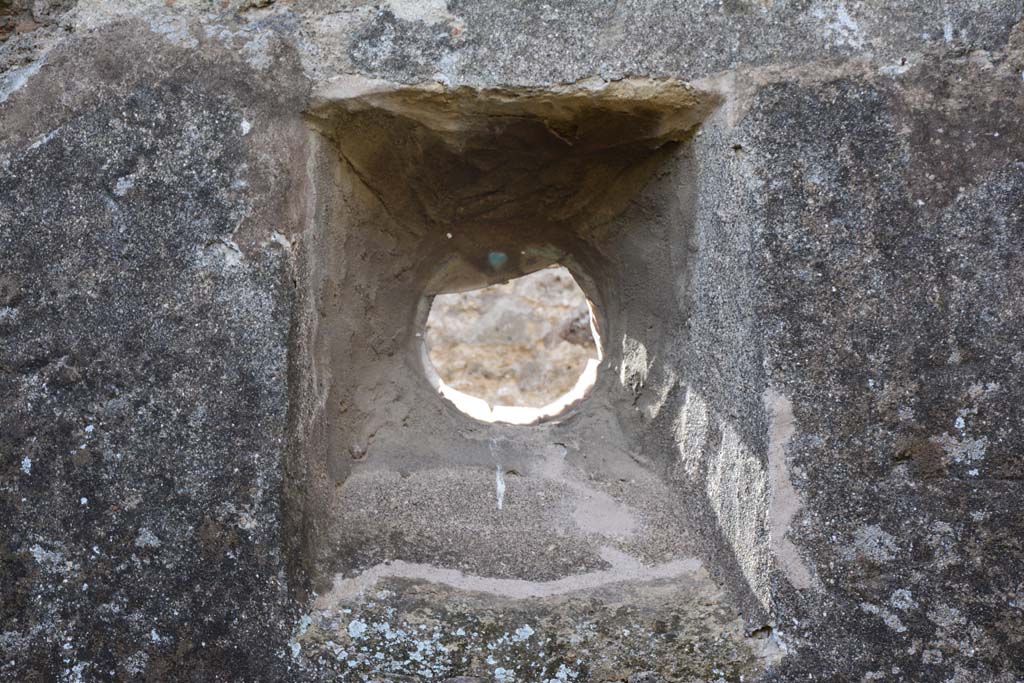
(622, 568)
(499, 485)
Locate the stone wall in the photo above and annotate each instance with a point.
(802, 458)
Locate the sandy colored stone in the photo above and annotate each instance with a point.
(524, 342)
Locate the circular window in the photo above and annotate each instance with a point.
(516, 352)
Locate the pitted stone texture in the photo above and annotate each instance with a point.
(141, 517)
(889, 244)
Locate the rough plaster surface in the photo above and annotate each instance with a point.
(846, 234)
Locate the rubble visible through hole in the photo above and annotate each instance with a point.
(526, 342)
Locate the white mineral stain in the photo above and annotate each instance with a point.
(246, 126)
(336, 649)
(895, 69)
(845, 20)
(356, 628)
(962, 450)
(16, 79)
(174, 29)
(523, 632)
(229, 253)
(622, 568)
(902, 599)
(26, 465)
(42, 555)
(634, 368)
(890, 619)
(146, 539)
(42, 140)
(121, 188)
(563, 674)
(257, 51)
(280, 239)
(785, 501)
(499, 485)
(427, 11)
(843, 28)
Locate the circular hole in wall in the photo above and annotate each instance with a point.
(516, 352)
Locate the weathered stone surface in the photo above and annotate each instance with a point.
(893, 293)
(812, 388)
(141, 517)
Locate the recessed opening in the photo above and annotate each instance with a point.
(614, 511)
(518, 351)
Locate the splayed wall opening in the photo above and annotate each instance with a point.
(594, 520)
(518, 352)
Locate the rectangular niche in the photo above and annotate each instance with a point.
(417, 191)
